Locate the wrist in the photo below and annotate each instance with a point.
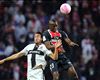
(56, 48)
(4, 60)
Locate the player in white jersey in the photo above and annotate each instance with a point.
(35, 57)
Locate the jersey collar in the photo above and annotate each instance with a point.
(50, 30)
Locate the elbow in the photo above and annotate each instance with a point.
(70, 44)
(54, 58)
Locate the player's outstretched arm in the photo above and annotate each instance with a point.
(12, 57)
(54, 55)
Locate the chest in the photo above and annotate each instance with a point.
(39, 50)
(54, 36)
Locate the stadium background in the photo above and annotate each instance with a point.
(20, 19)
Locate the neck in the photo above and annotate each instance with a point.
(38, 44)
(53, 30)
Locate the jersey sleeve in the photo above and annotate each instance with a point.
(25, 50)
(46, 51)
(46, 36)
(64, 35)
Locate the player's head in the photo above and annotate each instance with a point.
(38, 37)
(53, 25)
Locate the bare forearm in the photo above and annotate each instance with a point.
(14, 56)
(71, 43)
(55, 54)
(68, 41)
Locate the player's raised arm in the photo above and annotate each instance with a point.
(12, 57)
(67, 40)
(71, 43)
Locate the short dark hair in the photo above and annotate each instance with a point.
(39, 33)
(52, 22)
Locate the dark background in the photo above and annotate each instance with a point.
(20, 19)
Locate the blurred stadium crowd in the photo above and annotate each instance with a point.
(20, 19)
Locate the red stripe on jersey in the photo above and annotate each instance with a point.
(55, 34)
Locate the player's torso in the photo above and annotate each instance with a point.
(54, 36)
(36, 58)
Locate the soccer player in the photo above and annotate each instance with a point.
(36, 53)
(50, 37)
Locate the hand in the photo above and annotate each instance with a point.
(58, 44)
(74, 44)
(2, 61)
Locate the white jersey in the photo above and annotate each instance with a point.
(35, 57)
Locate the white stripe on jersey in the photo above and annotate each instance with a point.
(39, 59)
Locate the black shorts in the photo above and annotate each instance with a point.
(63, 63)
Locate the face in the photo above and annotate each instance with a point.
(53, 27)
(37, 38)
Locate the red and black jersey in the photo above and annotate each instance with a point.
(54, 36)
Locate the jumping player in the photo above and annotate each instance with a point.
(35, 57)
(50, 37)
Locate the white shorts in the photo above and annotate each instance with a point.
(36, 74)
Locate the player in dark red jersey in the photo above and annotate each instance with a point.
(50, 37)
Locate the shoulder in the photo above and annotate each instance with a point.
(60, 31)
(44, 49)
(29, 46)
(46, 36)
(43, 45)
(45, 32)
